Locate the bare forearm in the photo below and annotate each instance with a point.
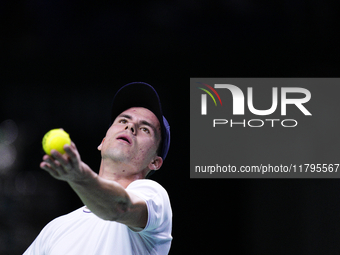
(107, 199)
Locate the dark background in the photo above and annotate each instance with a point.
(61, 63)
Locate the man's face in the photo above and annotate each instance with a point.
(133, 138)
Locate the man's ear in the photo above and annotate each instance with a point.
(156, 163)
(100, 145)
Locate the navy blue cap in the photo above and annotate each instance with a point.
(141, 94)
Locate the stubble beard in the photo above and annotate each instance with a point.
(117, 155)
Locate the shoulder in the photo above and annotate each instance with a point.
(144, 183)
(52, 231)
(64, 219)
(147, 188)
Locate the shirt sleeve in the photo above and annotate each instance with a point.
(158, 205)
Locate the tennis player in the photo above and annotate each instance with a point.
(124, 213)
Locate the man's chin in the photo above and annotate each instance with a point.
(117, 155)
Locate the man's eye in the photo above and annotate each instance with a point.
(123, 121)
(145, 130)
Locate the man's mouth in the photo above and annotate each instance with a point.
(125, 138)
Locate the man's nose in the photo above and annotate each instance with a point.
(131, 127)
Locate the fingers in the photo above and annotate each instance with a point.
(48, 168)
(60, 166)
(54, 165)
(72, 155)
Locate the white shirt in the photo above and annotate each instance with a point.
(82, 232)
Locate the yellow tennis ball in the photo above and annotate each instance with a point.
(55, 139)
